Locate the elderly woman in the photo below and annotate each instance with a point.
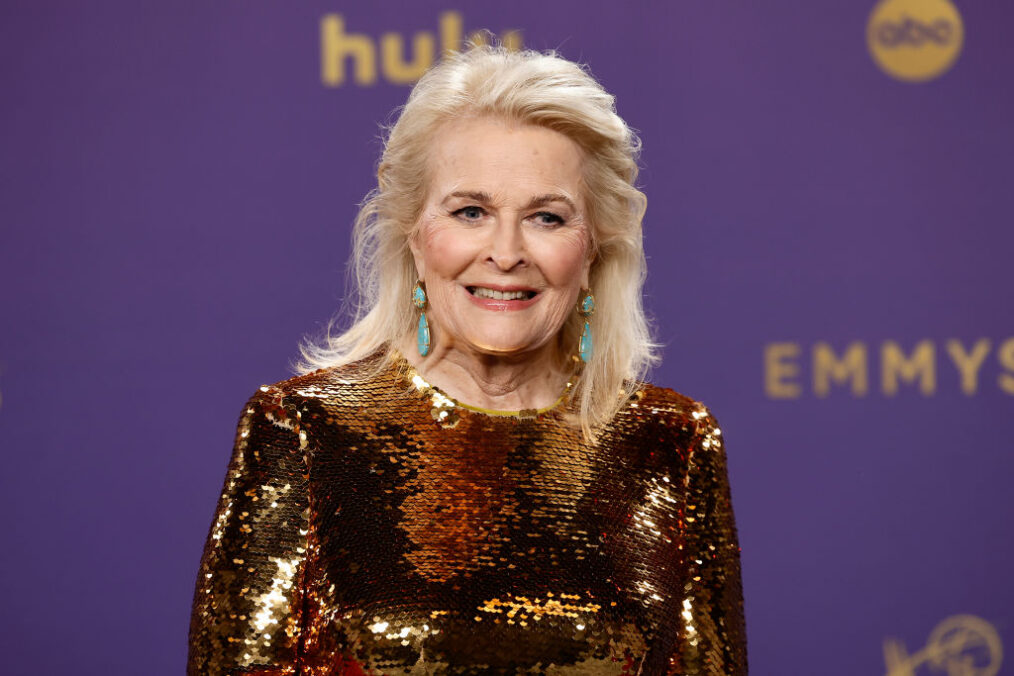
(475, 479)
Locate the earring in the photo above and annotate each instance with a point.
(422, 336)
(585, 309)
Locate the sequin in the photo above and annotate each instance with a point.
(373, 527)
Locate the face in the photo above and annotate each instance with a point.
(502, 243)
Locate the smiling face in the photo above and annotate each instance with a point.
(502, 243)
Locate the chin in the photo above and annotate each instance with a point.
(501, 349)
(504, 347)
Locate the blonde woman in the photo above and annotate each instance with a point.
(473, 477)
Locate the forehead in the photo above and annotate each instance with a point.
(497, 157)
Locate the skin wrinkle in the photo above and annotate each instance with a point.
(508, 360)
(536, 202)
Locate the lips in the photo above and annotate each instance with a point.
(502, 299)
(501, 294)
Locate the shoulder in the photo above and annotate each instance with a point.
(678, 421)
(336, 387)
(671, 408)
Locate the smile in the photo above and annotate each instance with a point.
(494, 294)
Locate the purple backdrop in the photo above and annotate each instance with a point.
(177, 185)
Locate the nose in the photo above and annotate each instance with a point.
(507, 246)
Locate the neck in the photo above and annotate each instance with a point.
(499, 382)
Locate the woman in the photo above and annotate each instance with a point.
(475, 479)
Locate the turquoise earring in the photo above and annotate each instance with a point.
(585, 309)
(422, 335)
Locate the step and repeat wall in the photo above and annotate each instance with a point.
(829, 241)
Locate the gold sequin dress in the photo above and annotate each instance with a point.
(378, 527)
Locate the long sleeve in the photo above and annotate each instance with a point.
(248, 604)
(712, 628)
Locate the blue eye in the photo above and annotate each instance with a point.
(548, 218)
(471, 213)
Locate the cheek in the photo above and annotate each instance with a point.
(563, 261)
(446, 252)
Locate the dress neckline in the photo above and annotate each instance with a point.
(444, 404)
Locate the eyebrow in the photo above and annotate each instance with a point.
(481, 197)
(534, 203)
(549, 198)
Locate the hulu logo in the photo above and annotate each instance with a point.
(338, 46)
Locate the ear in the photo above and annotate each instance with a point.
(416, 249)
(586, 269)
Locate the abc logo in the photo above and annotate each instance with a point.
(914, 40)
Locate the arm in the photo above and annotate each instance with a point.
(247, 615)
(712, 629)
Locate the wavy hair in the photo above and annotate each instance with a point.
(520, 87)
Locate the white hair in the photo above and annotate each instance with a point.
(525, 87)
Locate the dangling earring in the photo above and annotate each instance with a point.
(422, 336)
(585, 309)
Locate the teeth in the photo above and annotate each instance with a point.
(499, 295)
